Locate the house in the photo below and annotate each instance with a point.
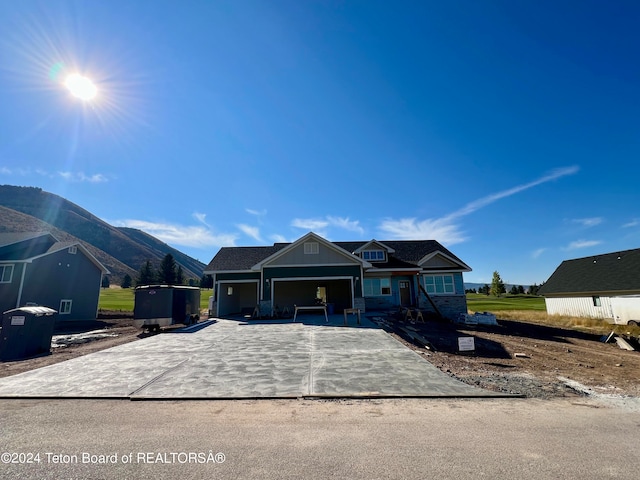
(603, 286)
(369, 275)
(37, 269)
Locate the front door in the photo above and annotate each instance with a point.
(405, 293)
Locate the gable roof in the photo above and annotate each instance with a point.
(11, 238)
(27, 255)
(406, 254)
(617, 272)
(306, 238)
(20, 246)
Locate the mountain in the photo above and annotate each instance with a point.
(121, 250)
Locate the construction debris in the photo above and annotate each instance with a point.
(625, 342)
(484, 318)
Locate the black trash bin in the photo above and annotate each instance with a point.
(26, 332)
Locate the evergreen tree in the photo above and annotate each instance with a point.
(520, 290)
(105, 282)
(497, 285)
(126, 281)
(146, 276)
(179, 276)
(514, 290)
(206, 281)
(167, 270)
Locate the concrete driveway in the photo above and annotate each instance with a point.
(238, 359)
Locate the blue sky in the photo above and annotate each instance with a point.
(506, 130)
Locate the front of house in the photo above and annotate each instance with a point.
(369, 275)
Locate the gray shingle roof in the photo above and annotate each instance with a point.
(11, 238)
(407, 253)
(607, 273)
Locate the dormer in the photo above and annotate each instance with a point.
(374, 252)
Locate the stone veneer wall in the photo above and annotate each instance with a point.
(450, 306)
(358, 302)
(265, 308)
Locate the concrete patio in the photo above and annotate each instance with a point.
(227, 359)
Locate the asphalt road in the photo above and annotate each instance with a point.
(317, 439)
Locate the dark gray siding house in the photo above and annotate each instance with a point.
(605, 286)
(369, 275)
(37, 269)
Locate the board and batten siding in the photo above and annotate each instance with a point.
(579, 307)
(325, 256)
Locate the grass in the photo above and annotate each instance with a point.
(122, 299)
(477, 302)
(531, 309)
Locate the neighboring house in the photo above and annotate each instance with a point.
(369, 275)
(36, 269)
(601, 286)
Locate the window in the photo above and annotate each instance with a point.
(376, 287)
(229, 290)
(439, 284)
(311, 248)
(373, 255)
(596, 301)
(73, 250)
(65, 307)
(6, 273)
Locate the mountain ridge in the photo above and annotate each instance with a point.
(122, 250)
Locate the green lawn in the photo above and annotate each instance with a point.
(122, 299)
(486, 303)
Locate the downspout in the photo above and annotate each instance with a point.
(216, 288)
(19, 299)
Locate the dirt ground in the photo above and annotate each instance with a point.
(536, 361)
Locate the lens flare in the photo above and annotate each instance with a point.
(80, 87)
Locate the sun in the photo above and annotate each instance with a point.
(80, 87)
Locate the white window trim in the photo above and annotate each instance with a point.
(379, 293)
(369, 254)
(65, 301)
(426, 286)
(311, 248)
(4, 267)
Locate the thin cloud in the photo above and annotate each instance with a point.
(321, 224)
(68, 176)
(582, 244)
(489, 199)
(346, 224)
(445, 229)
(309, 223)
(538, 252)
(201, 217)
(632, 223)
(588, 222)
(23, 172)
(411, 229)
(277, 238)
(81, 177)
(253, 232)
(257, 213)
(180, 235)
